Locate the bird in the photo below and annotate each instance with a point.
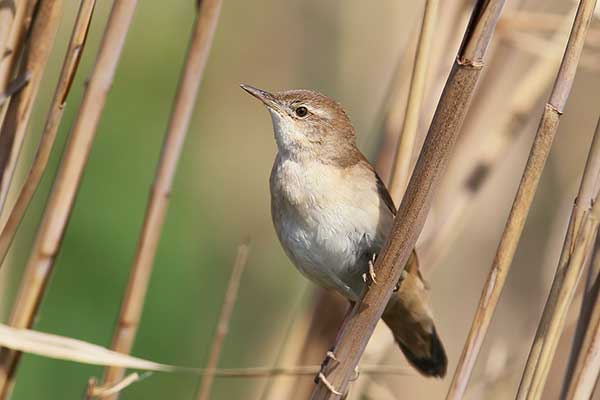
(332, 215)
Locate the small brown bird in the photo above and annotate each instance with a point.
(332, 214)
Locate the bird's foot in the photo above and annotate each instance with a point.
(370, 277)
(331, 356)
(321, 377)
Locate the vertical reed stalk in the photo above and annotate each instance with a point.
(406, 142)
(564, 285)
(522, 202)
(580, 384)
(413, 210)
(135, 293)
(7, 14)
(61, 199)
(11, 51)
(528, 92)
(16, 120)
(590, 293)
(223, 324)
(531, 380)
(55, 114)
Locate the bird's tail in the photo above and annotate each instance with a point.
(409, 316)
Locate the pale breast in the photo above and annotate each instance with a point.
(328, 219)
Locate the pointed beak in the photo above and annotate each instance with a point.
(267, 98)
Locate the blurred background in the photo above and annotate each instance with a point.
(352, 51)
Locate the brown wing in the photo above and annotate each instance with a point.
(381, 189)
(385, 195)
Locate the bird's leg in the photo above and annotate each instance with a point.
(328, 384)
(370, 277)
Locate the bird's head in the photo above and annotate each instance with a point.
(308, 124)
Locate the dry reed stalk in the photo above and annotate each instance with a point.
(135, 293)
(522, 202)
(295, 330)
(16, 120)
(60, 202)
(542, 47)
(11, 51)
(7, 13)
(402, 161)
(55, 114)
(557, 306)
(580, 384)
(590, 293)
(530, 381)
(528, 92)
(451, 13)
(564, 284)
(413, 210)
(224, 318)
(393, 108)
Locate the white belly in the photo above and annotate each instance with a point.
(328, 220)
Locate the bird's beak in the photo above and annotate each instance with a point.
(267, 98)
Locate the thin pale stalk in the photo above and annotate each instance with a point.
(521, 204)
(445, 127)
(8, 10)
(560, 305)
(11, 51)
(135, 293)
(223, 324)
(552, 322)
(533, 378)
(406, 143)
(16, 119)
(591, 287)
(269, 391)
(580, 385)
(61, 200)
(74, 51)
(55, 114)
(528, 92)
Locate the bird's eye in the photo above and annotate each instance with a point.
(301, 111)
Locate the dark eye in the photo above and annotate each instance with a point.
(301, 111)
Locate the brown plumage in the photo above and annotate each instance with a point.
(333, 214)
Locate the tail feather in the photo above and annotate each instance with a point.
(434, 364)
(409, 317)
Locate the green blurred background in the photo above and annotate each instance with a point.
(345, 49)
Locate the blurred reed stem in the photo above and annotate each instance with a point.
(406, 143)
(53, 120)
(185, 100)
(558, 305)
(7, 14)
(521, 204)
(550, 326)
(11, 47)
(62, 197)
(414, 208)
(584, 363)
(16, 120)
(223, 325)
(529, 89)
